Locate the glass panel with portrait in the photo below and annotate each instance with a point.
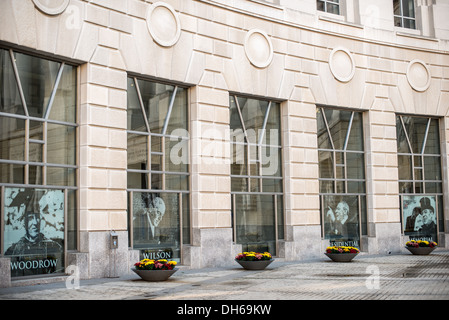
(156, 227)
(419, 217)
(341, 219)
(34, 231)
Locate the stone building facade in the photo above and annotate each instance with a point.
(182, 108)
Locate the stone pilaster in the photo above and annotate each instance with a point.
(382, 181)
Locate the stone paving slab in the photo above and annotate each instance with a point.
(389, 277)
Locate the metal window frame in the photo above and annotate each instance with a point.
(345, 179)
(44, 142)
(344, 151)
(148, 172)
(421, 155)
(402, 17)
(276, 215)
(44, 120)
(259, 145)
(423, 181)
(326, 2)
(163, 135)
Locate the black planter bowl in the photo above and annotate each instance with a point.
(154, 275)
(254, 265)
(421, 251)
(341, 257)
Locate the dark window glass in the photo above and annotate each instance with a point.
(10, 100)
(404, 14)
(331, 6)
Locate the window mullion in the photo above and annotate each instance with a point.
(170, 107)
(264, 125)
(327, 128)
(163, 162)
(44, 153)
(334, 164)
(149, 161)
(259, 164)
(241, 119)
(425, 137)
(142, 107)
(248, 166)
(423, 175)
(345, 172)
(53, 93)
(27, 151)
(348, 132)
(406, 135)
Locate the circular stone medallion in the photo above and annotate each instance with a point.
(342, 64)
(163, 24)
(418, 75)
(51, 7)
(258, 48)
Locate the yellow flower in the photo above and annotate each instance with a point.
(173, 263)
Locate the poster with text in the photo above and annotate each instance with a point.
(156, 225)
(419, 217)
(34, 231)
(341, 219)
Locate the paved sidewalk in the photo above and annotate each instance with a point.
(367, 277)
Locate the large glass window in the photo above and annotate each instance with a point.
(420, 179)
(158, 171)
(37, 162)
(331, 6)
(341, 175)
(404, 14)
(256, 173)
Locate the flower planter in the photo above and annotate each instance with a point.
(422, 251)
(254, 265)
(341, 253)
(341, 257)
(154, 275)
